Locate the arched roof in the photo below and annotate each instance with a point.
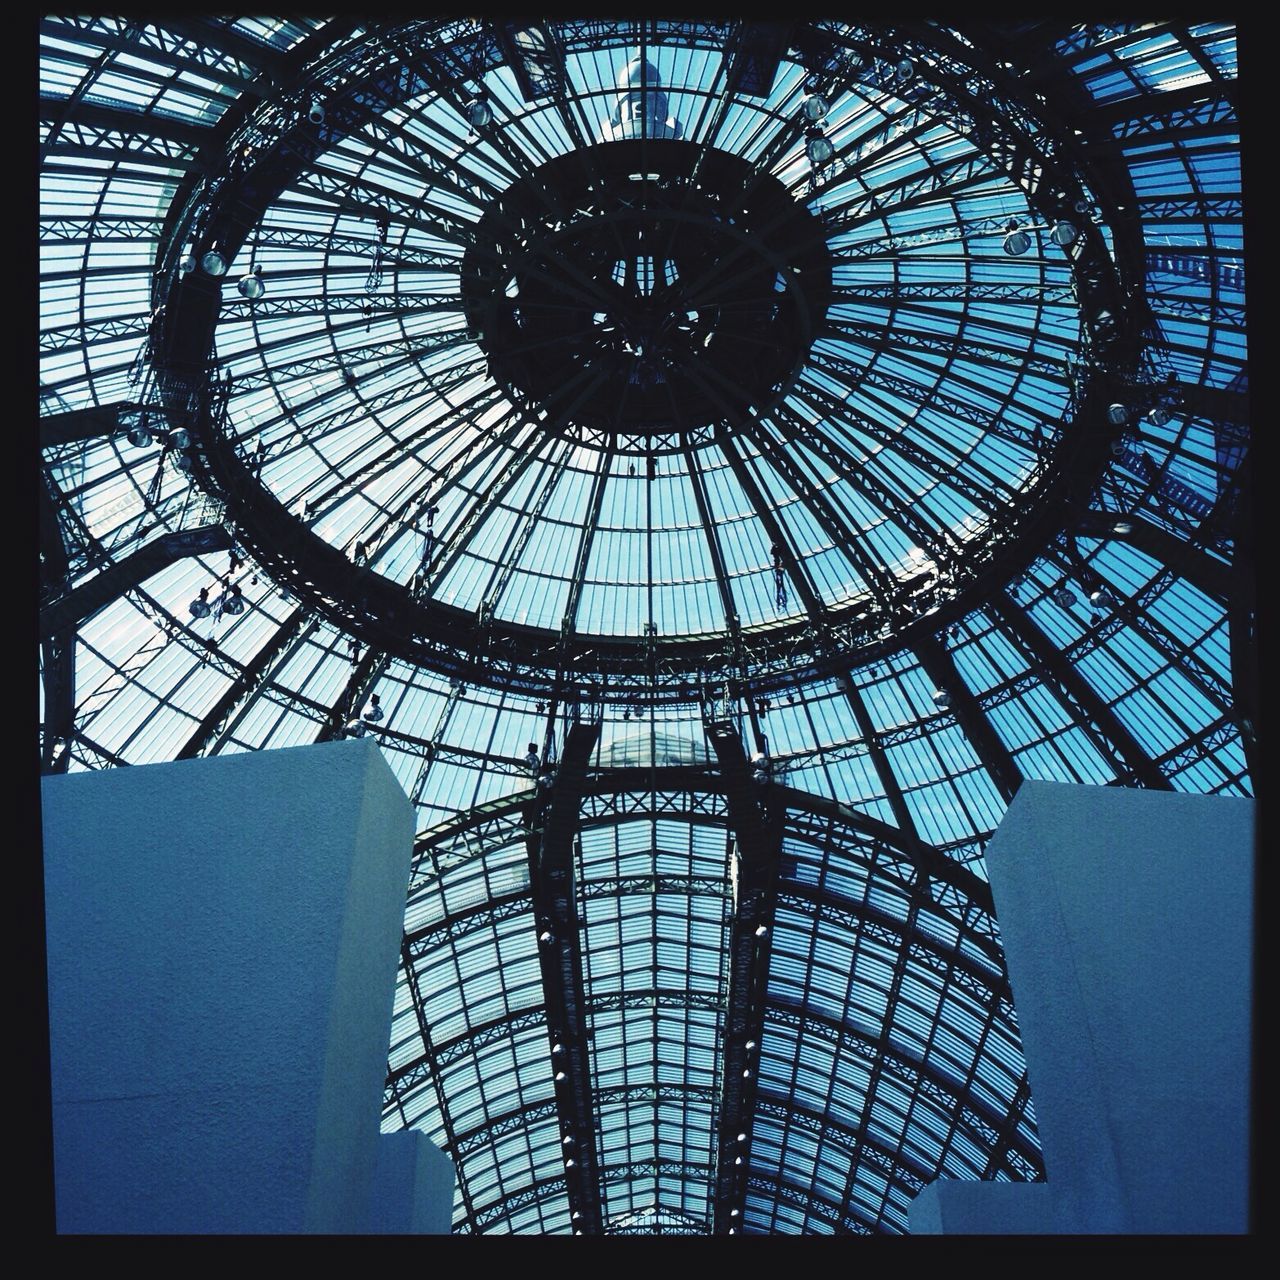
(554, 398)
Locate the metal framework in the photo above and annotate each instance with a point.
(756, 819)
(551, 822)
(775, 433)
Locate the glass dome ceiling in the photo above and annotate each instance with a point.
(719, 461)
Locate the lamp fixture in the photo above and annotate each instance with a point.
(250, 284)
(479, 113)
(212, 262)
(1016, 240)
(818, 148)
(814, 107)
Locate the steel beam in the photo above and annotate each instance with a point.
(1218, 404)
(112, 582)
(120, 120)
(551, 825)
(1098, 715)
(247, 683)
(1242, 624)
(879, 758)
(941, 669)
(91, 423)
(756, 815)
(1180, 555)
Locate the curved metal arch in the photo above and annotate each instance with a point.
(384, 613)
(686, 779)
(824, 822)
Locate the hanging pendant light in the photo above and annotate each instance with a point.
(1063, 233)
(200, 605)
(212, 261)
(250, 284)
(479, 112)
(818, 149)
(1016, 241)
(814, 107)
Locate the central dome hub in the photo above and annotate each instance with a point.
(646, 286)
